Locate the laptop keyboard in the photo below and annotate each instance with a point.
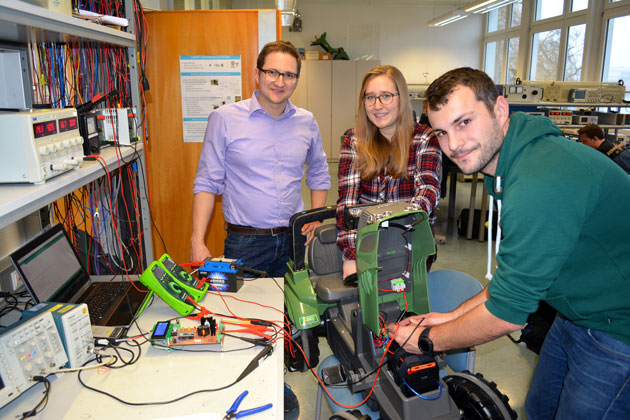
(103, 298)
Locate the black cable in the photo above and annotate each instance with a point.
(274, 280)
(151, 213)
(187, 350)
(254, 341)
(135, 321)
(43, 401)
(14, 304)
(117, 349)
(385, 360)
(250, 368)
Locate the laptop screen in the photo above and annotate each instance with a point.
(49, 267)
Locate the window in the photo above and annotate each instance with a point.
(512, 60)
(517, 11)
(494, 60)
(548, 8)
(616, 58)
(502, 42)
(565, 37)
(579, 5)
(497, 19)
(545, 53)
(575, 53)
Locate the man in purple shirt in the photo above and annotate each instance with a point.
(254, 153)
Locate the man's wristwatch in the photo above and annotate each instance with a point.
(424, 342)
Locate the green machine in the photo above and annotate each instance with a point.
(306, 306)
(393, 245)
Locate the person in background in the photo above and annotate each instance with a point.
(254, 154)
(565, 241)
(592, 135)
(386, 157)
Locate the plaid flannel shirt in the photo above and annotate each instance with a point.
(421, 188)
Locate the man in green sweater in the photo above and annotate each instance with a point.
(566, 240)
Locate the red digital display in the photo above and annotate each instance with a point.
(45, 128)
(67, 124)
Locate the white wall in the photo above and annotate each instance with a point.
(394, 31)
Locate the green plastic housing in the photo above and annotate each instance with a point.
(171, 285)
(382, 253)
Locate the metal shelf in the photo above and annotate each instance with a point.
(574, 104)
(17, 18)
(603, 126)
(20, 200)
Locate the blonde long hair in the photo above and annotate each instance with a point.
(375, 153)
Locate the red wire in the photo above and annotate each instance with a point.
(373, 384)
(132, 181)
(304, 355)
(127, 209)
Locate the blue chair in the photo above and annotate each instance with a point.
(447, 290)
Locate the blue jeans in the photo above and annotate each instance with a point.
(581, 374)
(262, 252)
(623, 160)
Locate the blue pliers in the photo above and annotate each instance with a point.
(233, 414)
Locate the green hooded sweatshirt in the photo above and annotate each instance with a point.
(566, 230)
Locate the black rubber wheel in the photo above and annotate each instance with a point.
(350, 415)
(477, 398)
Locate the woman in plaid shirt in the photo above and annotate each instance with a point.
(386, 157)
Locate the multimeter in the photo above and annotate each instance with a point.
(173, 284)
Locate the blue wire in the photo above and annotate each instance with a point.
(422, 396)
(52, 73)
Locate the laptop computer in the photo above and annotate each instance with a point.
(52, 272)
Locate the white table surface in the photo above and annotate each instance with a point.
(162, 375)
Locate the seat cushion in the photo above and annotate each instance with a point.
(326, 263)
(330, 288)
(324, 257)
(326, 234)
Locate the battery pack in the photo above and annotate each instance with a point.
(225, 274)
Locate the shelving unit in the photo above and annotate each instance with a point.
(603, 126)
(575, 104)
(23, 23)
(582, 105)
(20, 200)
(17, 18)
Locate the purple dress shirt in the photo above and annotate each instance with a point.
(257, 162)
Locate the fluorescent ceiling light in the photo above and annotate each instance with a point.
(485, 6)
(477, 4)
(450, 17)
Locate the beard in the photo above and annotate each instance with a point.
(488, 151)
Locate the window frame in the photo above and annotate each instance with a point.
(562, 22)
(503, 35)
(611, 11)
(596, 18)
